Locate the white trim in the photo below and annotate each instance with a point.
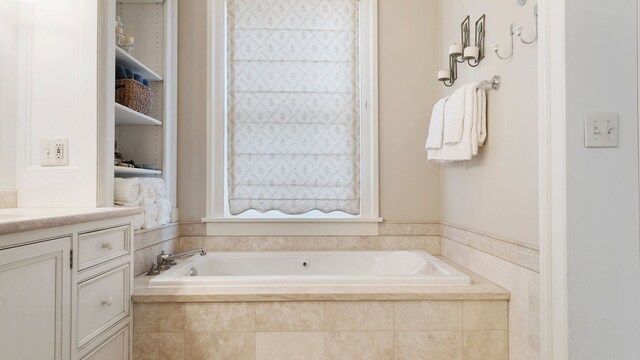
(216, 44)
(552, 181)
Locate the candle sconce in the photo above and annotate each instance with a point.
(459, 53)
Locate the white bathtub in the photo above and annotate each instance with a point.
(325, 268)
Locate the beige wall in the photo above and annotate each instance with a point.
(409, 186)
(497, 192)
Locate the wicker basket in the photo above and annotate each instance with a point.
(134, 95)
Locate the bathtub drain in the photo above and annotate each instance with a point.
(305, 263)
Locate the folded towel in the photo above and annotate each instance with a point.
(138, 221)
(128, 192)
(129, 73)
(148, 192)
(157, 186)
(482, 109)
(150, 211)
(462, 150)
(454, 111)
(120, 73)
(434, 139)
(164, 211)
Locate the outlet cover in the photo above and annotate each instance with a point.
(601, 130)
(54, 151)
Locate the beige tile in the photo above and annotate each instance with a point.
(406, 229)
(455, 251)
(427, 315)
(188, 243)
(209, 317)
(429, 345)
(403, 242)
(310, 243)
(359, 315)
(193, 229)
(485, 315)
(432, 245)
(220, 345)
(359, 243)
(290, 316)
(289, 345)
(486, 344)
(214, 244)
(158, 346)
(359, 345)
(158, 318)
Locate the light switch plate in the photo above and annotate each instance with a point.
(54, 151)
(601, 130)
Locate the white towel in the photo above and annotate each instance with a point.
(482, 108)
(138, 221)
(436, 126)
(454, 111)
(462, 150)
(157, 185)
(164, 211)
(150, 211)
(127, 192)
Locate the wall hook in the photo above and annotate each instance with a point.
(535, 38)
(513, 30)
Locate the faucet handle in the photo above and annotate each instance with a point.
(154, 269)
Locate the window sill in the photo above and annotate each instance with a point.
(291, 227)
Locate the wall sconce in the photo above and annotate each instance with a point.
(459, 53)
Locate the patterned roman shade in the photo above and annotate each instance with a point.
(293, 106)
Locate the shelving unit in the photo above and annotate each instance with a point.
(126, 116)
(126, 60)
(119, 170)
(144, 138)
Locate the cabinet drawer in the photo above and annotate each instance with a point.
(114, 348)
(100, 246)
(102, 302)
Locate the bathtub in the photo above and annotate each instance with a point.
(322, 268)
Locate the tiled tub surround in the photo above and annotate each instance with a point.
(414, 322)
(149, 243)
(392, 236)
(511, 265)
(421, 330)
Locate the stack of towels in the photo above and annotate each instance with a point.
(149, 194)
(458, 125)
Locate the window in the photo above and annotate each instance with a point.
(293, 131)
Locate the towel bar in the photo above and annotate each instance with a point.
(494, 82)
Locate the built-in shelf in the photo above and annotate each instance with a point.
(124, 59)
(126, 116)
(140, 1)
(119, 170)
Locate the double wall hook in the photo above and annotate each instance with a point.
(517, 31)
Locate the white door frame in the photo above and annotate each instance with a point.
(552, 181)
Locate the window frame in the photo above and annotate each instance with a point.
(218, 218)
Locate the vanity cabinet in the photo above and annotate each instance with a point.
(65, 292)
(35, 293)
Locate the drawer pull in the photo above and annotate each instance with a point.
(107, 246)
(107, 302)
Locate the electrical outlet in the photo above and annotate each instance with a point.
(54, 151)
(601, 130)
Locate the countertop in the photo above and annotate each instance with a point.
(480, 289)
(17, 220)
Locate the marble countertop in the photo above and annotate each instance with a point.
(480, 289)
(17, 220)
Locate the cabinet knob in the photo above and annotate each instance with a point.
(107, 246)
(107, 302)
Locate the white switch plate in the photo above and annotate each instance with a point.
(601, 130)
(54, 151)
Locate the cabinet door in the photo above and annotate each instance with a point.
(35, 306)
